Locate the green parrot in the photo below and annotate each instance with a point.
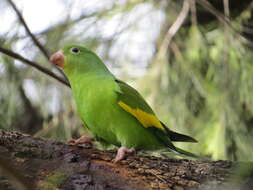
(111, 109)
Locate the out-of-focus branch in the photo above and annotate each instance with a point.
(174, 28)
(65, 23)
(33, 64)
(193, 13)
(208, 6)
(34, 39)
(222, 18)
(163, 48)
(22, 20)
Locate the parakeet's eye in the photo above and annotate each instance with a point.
(75, 50)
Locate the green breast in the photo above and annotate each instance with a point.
(95, 100)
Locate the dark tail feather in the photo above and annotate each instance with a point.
(180, 137)
(177, 136)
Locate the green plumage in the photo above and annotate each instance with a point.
(97, 94)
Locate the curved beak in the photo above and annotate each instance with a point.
(57, 58)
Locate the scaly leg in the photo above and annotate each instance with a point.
(81, 140)
(122, 153)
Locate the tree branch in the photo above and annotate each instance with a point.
(22, 20)
(34, 39)
(33, 64)
(174, 28)
(160, 57)
(222, 18)
(57, 165)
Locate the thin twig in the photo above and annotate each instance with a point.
(222, 18)
(34, 39)
(193, 13)
(22, 20)
(33, 64)
(174, 27)
(163, 48)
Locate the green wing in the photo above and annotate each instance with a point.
(132, 102)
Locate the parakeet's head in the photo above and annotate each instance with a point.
(75, 58)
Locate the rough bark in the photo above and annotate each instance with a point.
(45, 164)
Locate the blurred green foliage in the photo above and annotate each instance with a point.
(201, 85)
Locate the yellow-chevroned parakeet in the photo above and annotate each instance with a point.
(112, 110)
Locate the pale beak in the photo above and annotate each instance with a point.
(57, 58)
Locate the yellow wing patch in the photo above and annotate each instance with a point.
(146, 119)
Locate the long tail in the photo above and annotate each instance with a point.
(182, 152)
(186, 153)
(174, 136)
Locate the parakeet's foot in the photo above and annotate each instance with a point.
(122, 153)
(81, 140)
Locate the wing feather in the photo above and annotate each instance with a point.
(132, 102)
